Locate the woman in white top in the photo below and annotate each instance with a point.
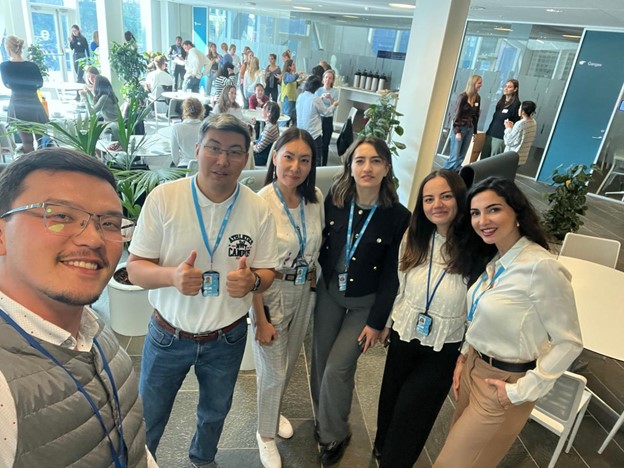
(253, 76)
(297, 207)
(329, 94)
(523, 330)
(519, 136)
(184, 135)
(427, 319)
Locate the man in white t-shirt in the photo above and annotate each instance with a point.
(156, 79)
(202, 245)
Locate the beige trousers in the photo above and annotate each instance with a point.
(482, 431)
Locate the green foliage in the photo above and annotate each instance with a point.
(92, 61)
(36, 55)
(568, 201)
(127, 126)
(130, 66)
(383, 122)
(80, 134)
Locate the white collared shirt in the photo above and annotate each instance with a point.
(447, 308)
(528, 314)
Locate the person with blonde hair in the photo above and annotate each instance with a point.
(252, 77)
(467, 111)
(23, 78)
(184, 134)
(329, 94)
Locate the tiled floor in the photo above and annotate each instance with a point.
(533, 448)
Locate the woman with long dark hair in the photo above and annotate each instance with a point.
(272, 77)
(282, 312)
(104, 99)
(428, 320)
(507, 108)
(523, 330)
(467, 111)
(364, 225)
(80, 48)
(23, 78)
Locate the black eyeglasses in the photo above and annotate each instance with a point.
(216, 151)
(69, 221)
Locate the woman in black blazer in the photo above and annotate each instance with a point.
(364, 224)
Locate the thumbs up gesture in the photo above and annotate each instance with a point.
(240, 281)
(186, 278)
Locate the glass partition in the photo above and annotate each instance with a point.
(540, 57)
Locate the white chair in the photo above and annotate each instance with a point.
(593, 249)
(561, 410)
(616, 427)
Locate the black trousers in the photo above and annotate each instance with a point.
(415, 383)
(318, 143)
(328, 129)
(178, 76)
(77, 68)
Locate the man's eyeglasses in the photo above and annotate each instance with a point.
(69, 221)
(215, 152)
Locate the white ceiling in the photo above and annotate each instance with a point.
(594, 13)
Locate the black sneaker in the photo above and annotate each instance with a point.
(332, 453)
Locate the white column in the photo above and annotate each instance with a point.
(432, 53)
(110, 28)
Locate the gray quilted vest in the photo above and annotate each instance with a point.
(56, 426)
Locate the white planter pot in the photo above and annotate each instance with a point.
(130, 311)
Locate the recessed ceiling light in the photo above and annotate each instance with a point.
(405, 6)
(503, 29)
(302, 8)
(553, 10)
(571, 36)
(350, 16)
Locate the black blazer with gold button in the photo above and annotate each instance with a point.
(373, 267)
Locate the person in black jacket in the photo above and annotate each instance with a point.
(507, 108)
(177, 54)
(80, 46)
(364, 224)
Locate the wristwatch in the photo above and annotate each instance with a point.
(257, 283)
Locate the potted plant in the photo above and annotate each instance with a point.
(37, 56)
(569, 200)
(130, 66)
(383, 122)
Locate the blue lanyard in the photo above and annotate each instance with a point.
(435, 288)
(350, 247)
(119, 457)
(301, 233)
(200, 219)
(475, 301)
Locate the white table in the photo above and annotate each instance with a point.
(599, 294)
(258, 115)
(182, 95)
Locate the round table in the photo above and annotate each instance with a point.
(182, 95)
(599, 294)
(258, 115)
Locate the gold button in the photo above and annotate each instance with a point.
(353, 258)
(356, 235)
(350, 280)
(379, 240)
(331, 223)
(360, 212)
(374, 268)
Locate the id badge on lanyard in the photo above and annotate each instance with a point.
(301, 272)
(210, 283)
(350, 247)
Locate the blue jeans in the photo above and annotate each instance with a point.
(166, 361)
(459, 148)
(191, 84)
(289, 109)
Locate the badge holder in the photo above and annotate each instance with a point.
(301, 272)
(423, 325)
(342, 282)
(210, 284)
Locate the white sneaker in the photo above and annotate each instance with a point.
(285, 430)
(269, 455)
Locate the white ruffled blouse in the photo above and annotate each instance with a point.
(448, 307)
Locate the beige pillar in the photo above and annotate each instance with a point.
(432, 53)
